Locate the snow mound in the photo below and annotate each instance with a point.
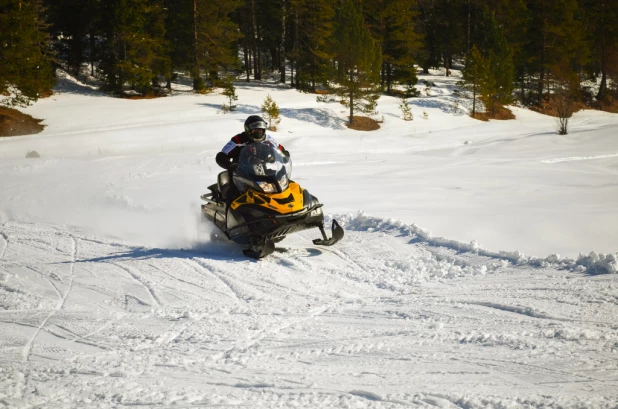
(592, 264)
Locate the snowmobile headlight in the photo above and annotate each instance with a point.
(267, 187)
(284, 182)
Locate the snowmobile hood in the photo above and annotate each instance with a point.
(288, 201)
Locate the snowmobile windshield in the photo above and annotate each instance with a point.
(263, 167)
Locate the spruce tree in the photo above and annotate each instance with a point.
(600, 19)
(229, 91)
(311, 27)
(555, 42)
(444, 28)
(358, 60)
(477, 78)
(406, 111)
(512, 18)
(134, 44)
(271, 112)
(74, 23)
(392, 25)
(213, 40)
(25, 52)
(497, 52)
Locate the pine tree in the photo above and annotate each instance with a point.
(75, 25)
(213, 40)
(477, 78)
(443, 25)
(512, 18)
(271, 112)
(601, 18)
(135, 44)
(312, 25)
(358, 59)
(392, 25)
(406, 111)
(230, 92)
(25, 52)
(498, 53)
(260, 24)
(555, 42)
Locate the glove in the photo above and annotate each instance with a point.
(233, 167)
(285, 152)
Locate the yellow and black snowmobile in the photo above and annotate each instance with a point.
(270, 205)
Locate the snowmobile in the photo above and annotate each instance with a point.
(270, 205)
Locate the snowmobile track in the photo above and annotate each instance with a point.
(28, 348)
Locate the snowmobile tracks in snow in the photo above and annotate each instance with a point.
(62, 300)
(377, 321)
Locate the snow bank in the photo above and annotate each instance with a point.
(591, 264)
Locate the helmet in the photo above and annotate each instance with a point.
(255, 126)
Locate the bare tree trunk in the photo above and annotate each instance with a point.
(603, 86)
(296, 47)
(256, 70)
(196, 64)
(258, 56)
(247, 62)
(469, 33)
(523, 88)
(92, 50)
(473, 100)
(389, 77)
(282, 45)
(541, 84)
(351, 96)
(313, 70)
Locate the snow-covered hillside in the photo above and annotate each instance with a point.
(447, 290)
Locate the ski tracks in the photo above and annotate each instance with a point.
(27, 351)
(141, 282)
(235, 293)
(254, 340)
(5, 244)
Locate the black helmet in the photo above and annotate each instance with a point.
(255, 126)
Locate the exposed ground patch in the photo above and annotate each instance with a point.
(363, 123)
(15, 123)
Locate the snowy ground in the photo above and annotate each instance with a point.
(447, 290)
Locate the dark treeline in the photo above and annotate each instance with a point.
(525, 49)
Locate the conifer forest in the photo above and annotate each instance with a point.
(523, 51)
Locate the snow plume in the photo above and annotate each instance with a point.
(592, 264)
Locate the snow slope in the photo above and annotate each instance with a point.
(447, 290)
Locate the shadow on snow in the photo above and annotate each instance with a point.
(321, 117)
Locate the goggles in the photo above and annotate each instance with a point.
(257, 125)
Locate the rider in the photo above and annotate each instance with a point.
(255, 131)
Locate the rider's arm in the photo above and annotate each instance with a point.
(223, 160)
(229, 152)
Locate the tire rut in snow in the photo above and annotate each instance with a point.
(5, 244)
(144, 284)
(236, 293)
(28, 348)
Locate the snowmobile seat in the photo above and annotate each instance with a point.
(223, 180)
